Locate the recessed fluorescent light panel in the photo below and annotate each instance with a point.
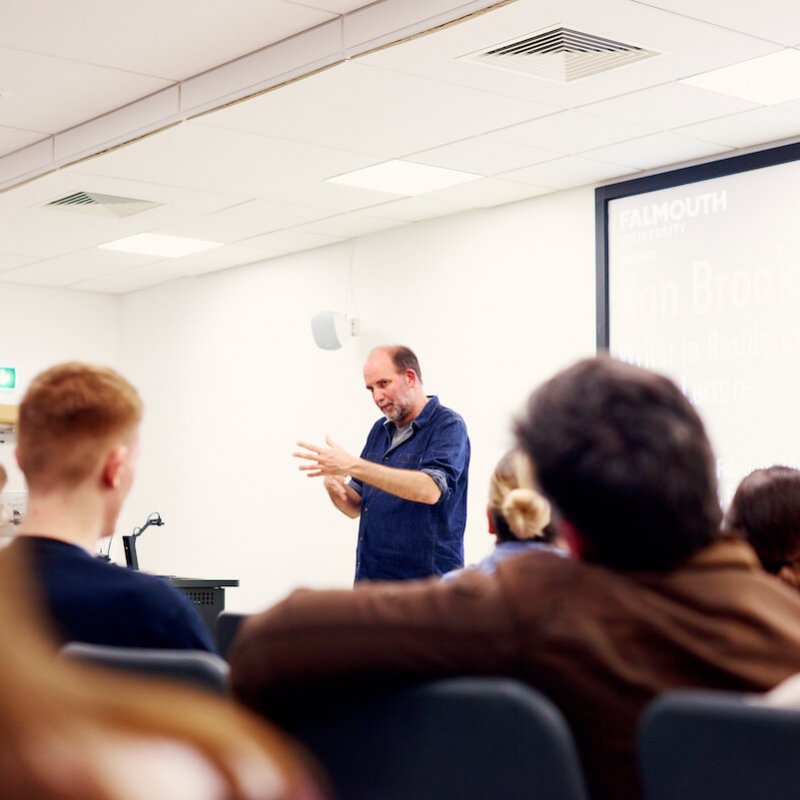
(767, 80)
(404, 177)
(156, 244)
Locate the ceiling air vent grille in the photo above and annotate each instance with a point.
(101, 205)
(560, 54)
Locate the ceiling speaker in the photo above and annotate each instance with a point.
(331, 330)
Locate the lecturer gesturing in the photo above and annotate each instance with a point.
(409, 486)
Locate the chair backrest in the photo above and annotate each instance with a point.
(228, 623)
(197, 667)
(454, 739)
(703, 745)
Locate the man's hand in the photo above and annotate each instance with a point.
(336, 487)
(331, 460)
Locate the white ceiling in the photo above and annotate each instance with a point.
(252, 174)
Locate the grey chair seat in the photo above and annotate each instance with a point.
(704, 745)
(196, 667)
(454, 739)
(228, 624)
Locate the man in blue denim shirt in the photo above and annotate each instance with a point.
(409, 486)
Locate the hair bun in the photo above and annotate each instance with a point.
(526, 512)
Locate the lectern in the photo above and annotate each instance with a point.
(208, 596)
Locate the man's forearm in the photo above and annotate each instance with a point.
(406, 483)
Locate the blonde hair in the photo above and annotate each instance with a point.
(512, 499)
(69, 416)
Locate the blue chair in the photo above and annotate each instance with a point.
(196, 667)
(228, 624)
(705, 745)
(453, 739)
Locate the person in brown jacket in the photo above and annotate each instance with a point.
(654, 597)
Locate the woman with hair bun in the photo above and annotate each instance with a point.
(518, 516)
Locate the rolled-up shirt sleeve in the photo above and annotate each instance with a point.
(447, 456)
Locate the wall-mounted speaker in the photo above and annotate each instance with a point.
(331, 330)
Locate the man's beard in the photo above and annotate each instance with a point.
(397, 413)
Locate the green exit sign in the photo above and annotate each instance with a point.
(8, 378)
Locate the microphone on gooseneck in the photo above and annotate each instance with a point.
(128, 541)
(153, 519)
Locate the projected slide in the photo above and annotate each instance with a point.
(704, 285)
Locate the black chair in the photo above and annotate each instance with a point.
(704, 745)
(454, 739)
(228, 623)
(196, 667)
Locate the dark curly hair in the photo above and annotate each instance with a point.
(624, 457)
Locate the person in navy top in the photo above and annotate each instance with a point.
(409, 486)
(77, 447)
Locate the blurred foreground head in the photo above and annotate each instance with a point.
(625, 459)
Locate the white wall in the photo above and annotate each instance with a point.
(493, 301)
(41, 327)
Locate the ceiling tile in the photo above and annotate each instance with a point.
(334, 197)
(668, 106)
(46, 94)
(245, 220)
(73, 267)
(357, 107)
(9, 261)
(790, 106)
(568, 172)
(47, 234)
(776, 20)
(196, 156)
(24, 277)
(658, 150)
(748, 128)
(12, 139)
(290, 241)
(132, 279)
(349, 225)
(477, 194)
(171, 40)
(216, 259)
(482, 155)
(570, 132)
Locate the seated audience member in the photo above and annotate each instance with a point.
(766, 510)
(518, 516)
(654, 598)
(71, 732)
(77, 444)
